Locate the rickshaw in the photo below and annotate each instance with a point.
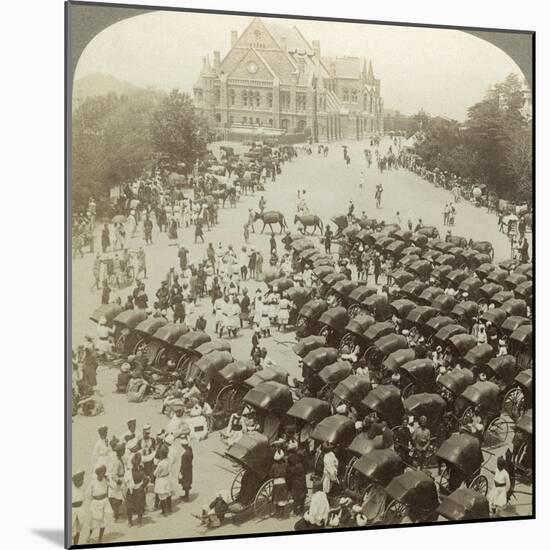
(442, 246)
(329, 281)
(350, 391)
(109, 311)
(501, 297)
(435, 324)
(484, 269)
(396, 247)
(408, 260)
(443, 336)
(460, 344)
(125, 323)
(521, 346)
(354, 330)
(440, 273)
(429, 294)
(524, 291)
(463, 460)
(396, 359)
(515, 307)
(525, 269)
(324, 261)
(336, 431)
(456, 276)
(400, 277)
(514, 280)
(332, 324)
(308, 315)
(421, 269)
(429, 231)
(340, 292)
(447, 259)
(519, 397)
(332, 375)
(417, 376)
(508, 265)
(402, 235)
(412, 494)
(377, 306)
(322, 271)
(251, 490)
(444, 303)
(382, 347)
(458, 253)
(475, 259)
(307, 344)
(457, 240)
(431, 255)
(376, 331)
(465, 313)
(471, 286)
(512, 323)
(522, 453)
(306, 413)
(413, 290)
(419, 239)
(187, 346)
(382, 243)
(385, 401)
(487, 291)
(158, 350)
(313, 363)
(267, 374)
(270, 402)
(368, 477)
(496, 316)
(281, 284)
(484, 396)
(356, 297)
(464, 504)
(204, 372)
(144, 332)
(478, 356)
(453, 383)
(419, 316)
(402, 307)
(497, 276)
(214, 345)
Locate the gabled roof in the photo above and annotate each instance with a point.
(294, 38)
(345, 67)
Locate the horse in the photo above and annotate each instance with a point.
(308, 220)
(270, 217)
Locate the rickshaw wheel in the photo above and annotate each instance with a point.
(370, 354)
(395, 512)
(513, 403)
(160, 356)
(480, 484)
(347, 340)
(408, 390)
(120, 344)
(496, 433)
(151, 352)
(236, 485)
(366, 492)
(325, 332)
(324, 393)
(140, 346)
(263, 503)
(444, 480)
(225, 399)
(350, 479)
(354, 310)
(466, 416)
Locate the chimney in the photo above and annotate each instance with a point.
(316, 48)
(234, 37)
(283, 43)
(217, 60)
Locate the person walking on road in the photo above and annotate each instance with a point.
(186, 468)
(328, 239)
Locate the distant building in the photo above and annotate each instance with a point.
(272, 78)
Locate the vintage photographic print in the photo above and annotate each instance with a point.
(301, 271)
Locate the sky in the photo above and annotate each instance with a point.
(440, 70)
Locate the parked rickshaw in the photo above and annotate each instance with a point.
(252, 489)
(497, 276)
(109, 311)
(377, 306)
(525, 269)
(460, 344)
(125, 323)
(332, 324)
(396, 359)
(336, 431)
(501, 297)
(442, 246)
(205, 370)
(413, 290)
(458, 253)
(417, 376)
(356, 297)
(524, 291)
(385, 401)
(484, 269)
(478, 356)
(501, 370)
(307, 344)
(421, 269)
(400, 277)
(429, 231)
(159, 348)
(419, 239)
(471, 286)
(485, 397)
(444, 303)
(523, 449)
(354, 330)
(431, 255)
(419, 316)
(487, 291)
(496, 316)
(382, 347)
(521, 346)
(452, 384)
(514, 280)
(369, 475)
(188, 345)
(306, 413)
(475, 259)
(329, 281)
(402, 307)
(429, 294)
(350, 391)
(396, 248)
(435, 324)
(443, 336)
(408, 260)
(313, 363)
(519, 397)
(374, 332)
(340, 292)
(465, 313)
(447, 259)
(440, 273)
(308, 316)
(515, 307)
(145, 331)
(331, 375)
(462, 459)
(456, 276)
(272, 373)
(270, 402)
(464, 504)
(321, 272)
(412, 498)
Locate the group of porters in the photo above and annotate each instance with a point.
(499, 389)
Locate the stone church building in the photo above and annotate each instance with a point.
(274, 81)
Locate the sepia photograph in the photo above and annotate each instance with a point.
(300, 274)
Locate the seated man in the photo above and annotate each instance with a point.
(123, 378)
(137, 388)
(214, 514)
(421, 438)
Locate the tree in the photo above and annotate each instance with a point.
(177, 132)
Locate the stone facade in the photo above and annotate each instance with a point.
(273, 78)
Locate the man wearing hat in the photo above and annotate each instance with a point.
(101, 451)
(280, 489)
(77, 496)
(116, 477)
(147, 448)
(123, 378)
(330, 468)
(131, 432)
(98, 492)
(186, 468)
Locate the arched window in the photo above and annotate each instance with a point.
(271, 123)
(270, 99)
(257, 98)
(353, 95)
(231, 97)
(245, 97)
(284, 124)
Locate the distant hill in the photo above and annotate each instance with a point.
(100, 84)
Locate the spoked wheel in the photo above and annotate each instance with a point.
(395, 512)
(236, 485)
(324, 393)
(151, 352)
(523, 360)
(326, 332)
(444, 481)
(226, 400)
(372, 355)
(263, 503)
(496, 433)
(347, 340)
(354, 310)
(351, 479)
(161, 359)
(480, 484)
(120, 344)
(141, 345)
(409, 390)
(513, 404)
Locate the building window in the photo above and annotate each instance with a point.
(346, 94)
(270, 99)
(251, 121)
(364, 102)
(257, 98)
(218, 118)
(231, 120)
(285, 101)
(271, 123)
(300, 102)
(245, 97)
(258, 121)
(232, 97)
(244, 120)
(354, 95)
(370, 104)
(217, 95)
(284, 124)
